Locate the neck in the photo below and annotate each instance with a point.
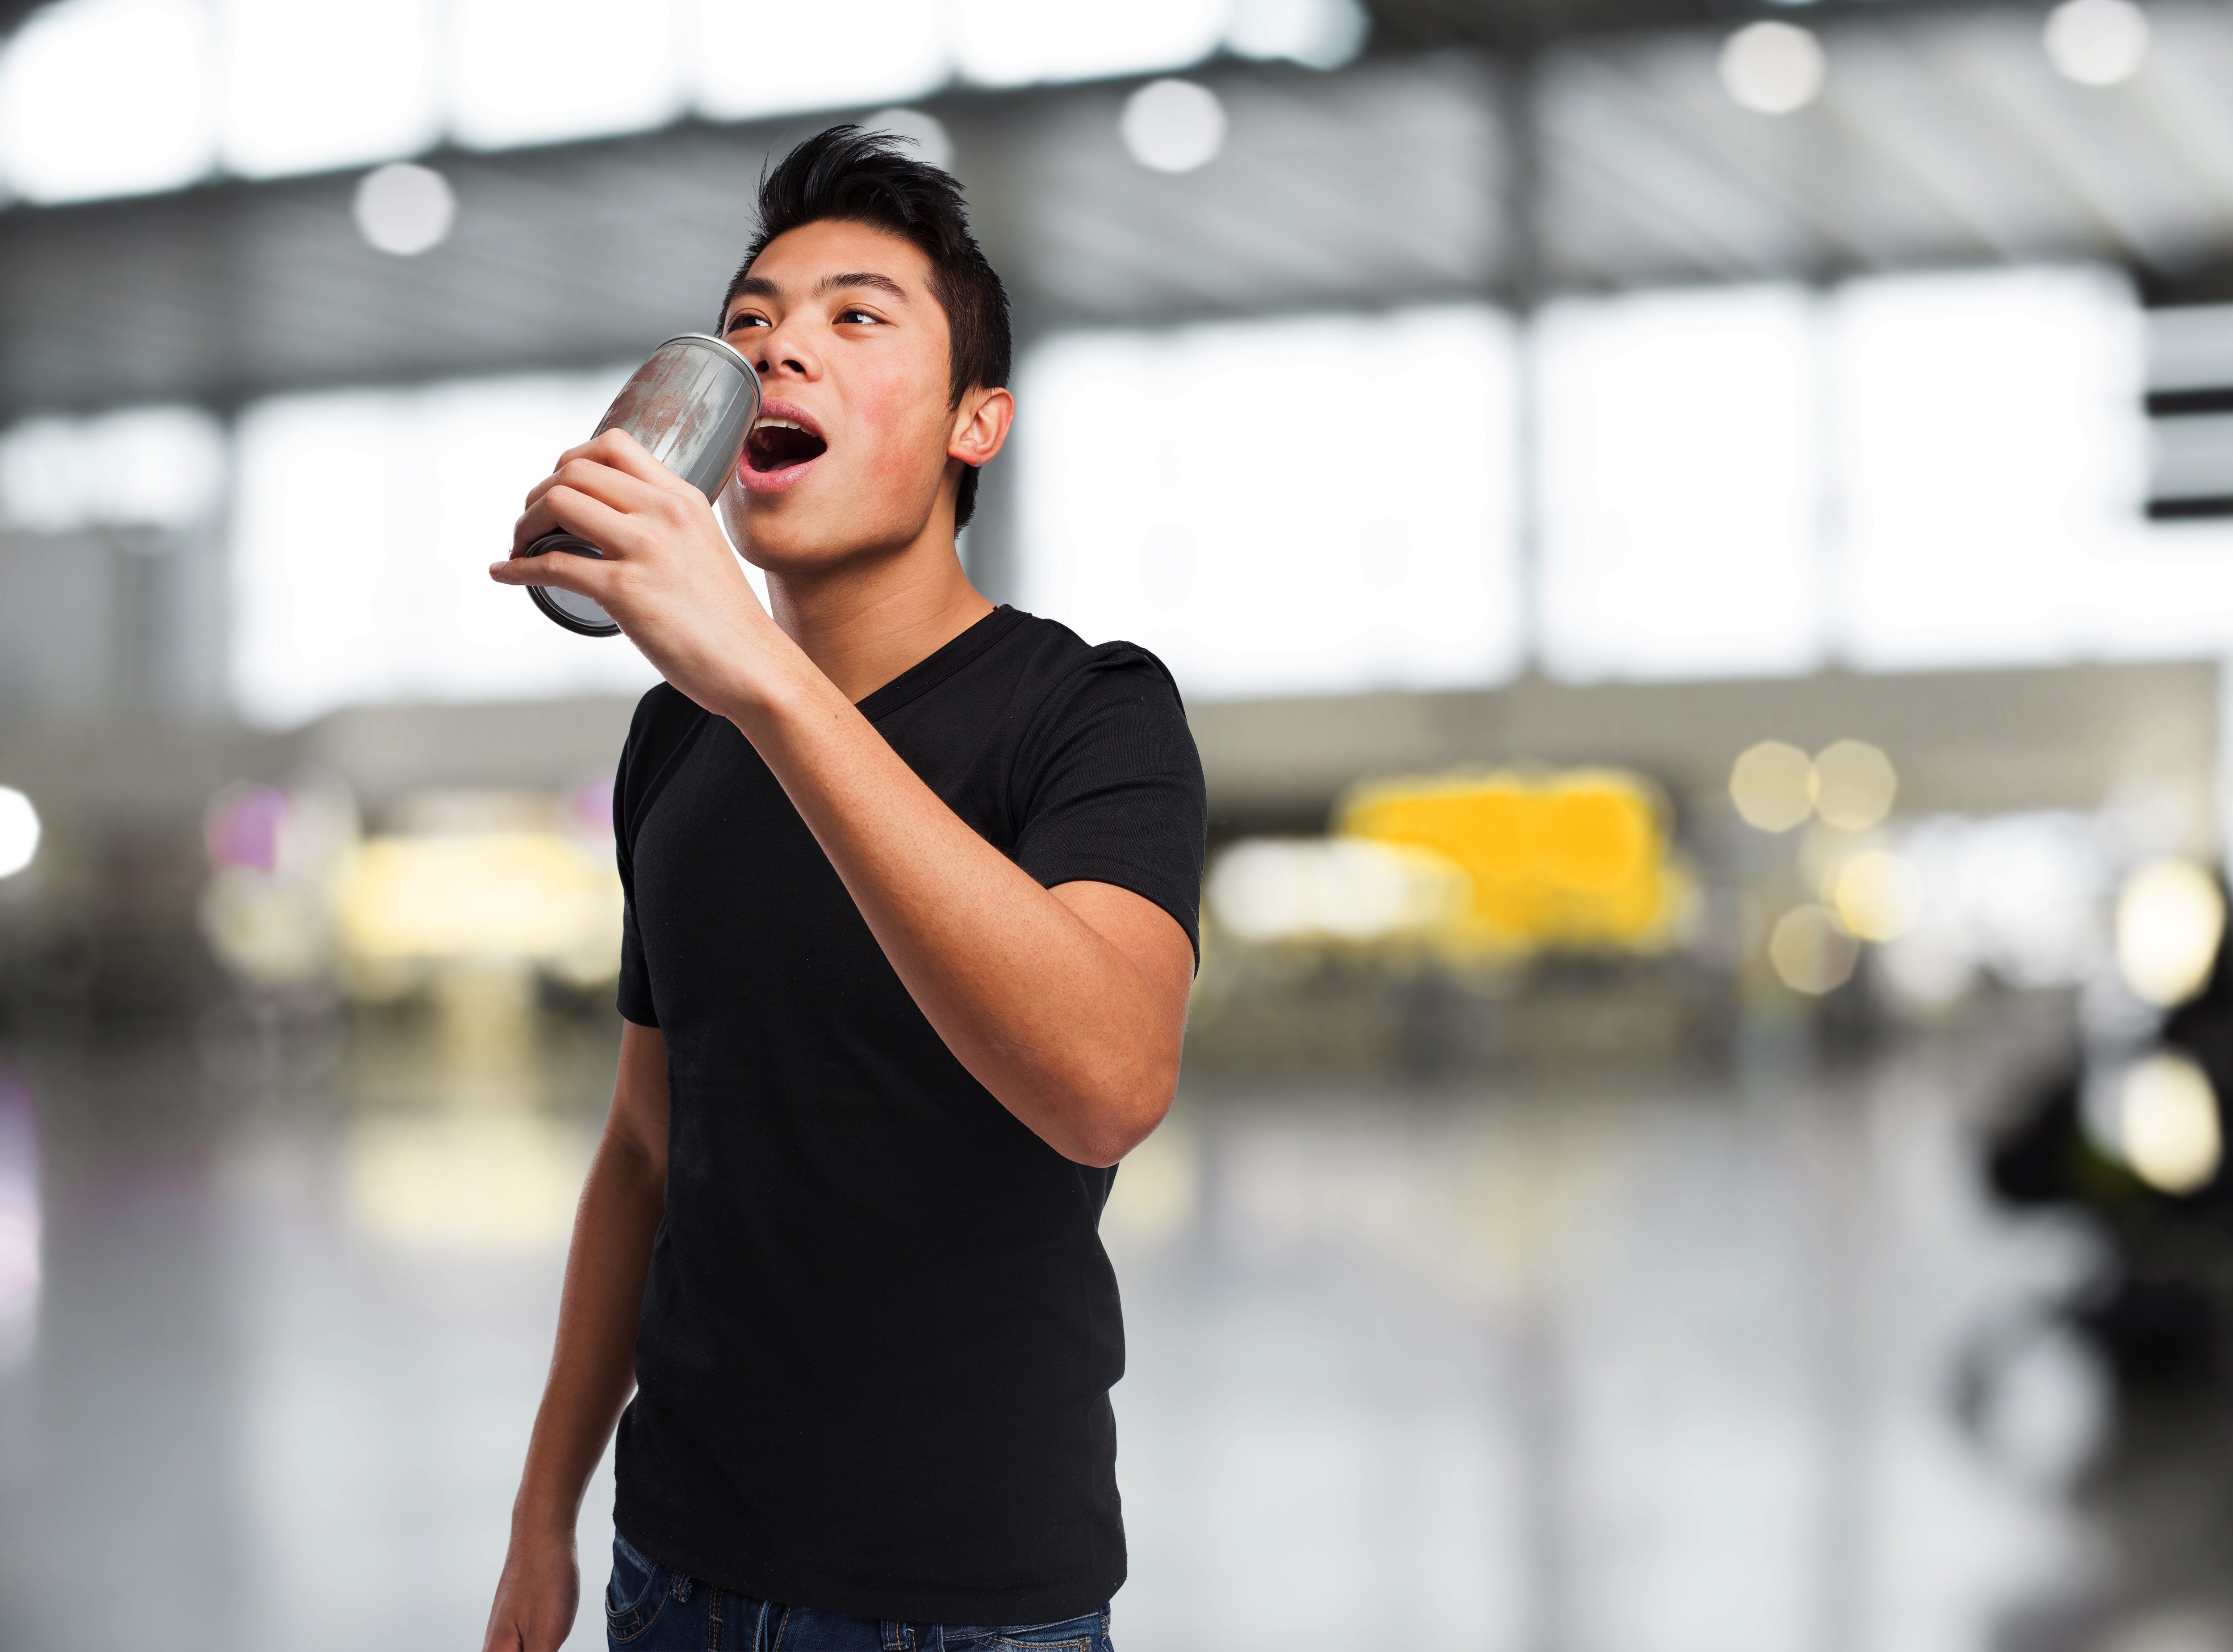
(867, 619)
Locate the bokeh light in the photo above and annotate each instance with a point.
(2170, 917)
(19, 831)
(2097, 43)
(1878, 895)
(1174, 125)
(1854, 785)
(405, 209)
(1772, 68)
(1811, 952)
(1270, 889)
(1772, 786)
(2167, 1124)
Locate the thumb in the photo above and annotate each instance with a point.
(566, 570)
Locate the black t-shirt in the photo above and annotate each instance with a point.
(880, 1330)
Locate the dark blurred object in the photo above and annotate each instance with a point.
(2162, 1311)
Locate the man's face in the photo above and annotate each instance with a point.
(852, 353)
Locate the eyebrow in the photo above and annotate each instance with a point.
(861, 278)
(761, 287)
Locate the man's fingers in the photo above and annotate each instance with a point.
(590, 474)
(560, 569)
(589, 575)
(611, 523)
(623, 452)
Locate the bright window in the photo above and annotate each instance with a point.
(1307, 506)
(108, 97)
(1681, 469)
(1992, 457)
(308, 87)
(1010, 42)
(540, 71)
(364, 526)
(875, 51)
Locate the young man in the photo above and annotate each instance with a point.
(911, 922)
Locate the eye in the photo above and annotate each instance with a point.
(854, 313)
(744, 319)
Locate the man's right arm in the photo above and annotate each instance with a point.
(592, 1368)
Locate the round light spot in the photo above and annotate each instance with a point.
(1772, 786)
(2167, 1123)
(2170, 917)
(404, 209)
(1810, 953)
(1174, 125)
(1772, 68)
(1880, 895)
(19, 831)
(925, 131)
(2097, 43)
(1854, 785)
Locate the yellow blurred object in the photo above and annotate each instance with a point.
(482, 1182)
(1772, 786)
(1573, 860)
(2167, 1124)
(1811, 952)
(1854, 785)
(502, 897)
(2170, 917)
(1877, 895)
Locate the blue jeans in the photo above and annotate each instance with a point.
(654, 1608)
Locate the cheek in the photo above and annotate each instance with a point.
(907, 435)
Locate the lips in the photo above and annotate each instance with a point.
(783, 446)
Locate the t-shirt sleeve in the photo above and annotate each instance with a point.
(634, 994)
(1108, 786)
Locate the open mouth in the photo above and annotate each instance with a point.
(778, 443)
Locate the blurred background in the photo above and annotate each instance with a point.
(1698, 538)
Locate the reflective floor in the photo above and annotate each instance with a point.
(1564, 1364)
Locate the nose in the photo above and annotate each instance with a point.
(780, 351)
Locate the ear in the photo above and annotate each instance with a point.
(980, 426)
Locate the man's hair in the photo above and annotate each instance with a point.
(859, 177)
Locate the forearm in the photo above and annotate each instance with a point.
(592, 1367)
(1055, 1020)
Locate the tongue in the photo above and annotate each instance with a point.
(774, 447)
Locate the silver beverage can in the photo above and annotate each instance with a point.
(691, 405)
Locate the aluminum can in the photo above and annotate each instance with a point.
(691, 405)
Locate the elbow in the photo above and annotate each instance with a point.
(1121, 1118)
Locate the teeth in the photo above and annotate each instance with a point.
(776, 424)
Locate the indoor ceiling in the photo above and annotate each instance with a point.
(1942, 136)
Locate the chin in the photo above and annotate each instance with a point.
(786, 533)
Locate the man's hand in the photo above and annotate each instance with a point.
(668, 577)
(537, 1595)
